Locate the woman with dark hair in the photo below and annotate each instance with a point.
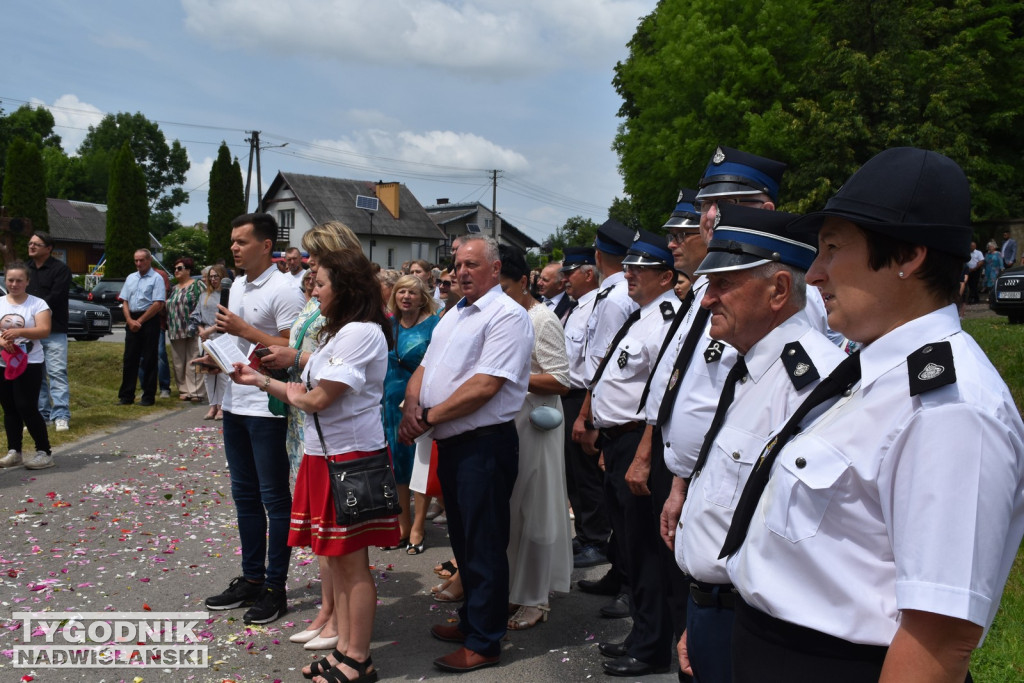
(893, 498)
(340, 393)
(539, 549)
(181, 301)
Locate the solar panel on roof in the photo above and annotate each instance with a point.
(367, 203)
(472, 227)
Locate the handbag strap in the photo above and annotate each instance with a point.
(316, 421)
(305, 326)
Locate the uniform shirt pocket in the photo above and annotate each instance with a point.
(802, 486)
(729, 462)
(627, 354)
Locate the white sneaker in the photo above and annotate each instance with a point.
(40, 461)
(164, 393)
(62, 424)
(12, 459)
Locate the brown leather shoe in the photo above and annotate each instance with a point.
(448, 633)
(463, 660)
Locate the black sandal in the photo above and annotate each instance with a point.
(334, 675)
(416, 549)
(320, 667)
(402, 544)
(446, 569)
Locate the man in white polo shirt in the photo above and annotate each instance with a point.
(469, 387)
(261, 309)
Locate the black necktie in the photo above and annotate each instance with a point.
(568, 311)
(633, 317)
(700, 319)
(842, 379)
(728, 393)
(676, 322)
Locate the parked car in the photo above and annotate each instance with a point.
(1007, 297)
(86, 322)
(78, 292)
(105, 294)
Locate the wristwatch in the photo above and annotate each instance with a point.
(423, 417)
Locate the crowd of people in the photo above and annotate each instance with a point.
(771, 428)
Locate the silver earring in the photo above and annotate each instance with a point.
(902, 275)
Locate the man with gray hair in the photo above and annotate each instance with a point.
(756, 295)
(468, 389)
(142, 299)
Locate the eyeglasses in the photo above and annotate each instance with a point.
(704, 205)
(36, 244)
(679, 236)
(444, 283)
(177, 268)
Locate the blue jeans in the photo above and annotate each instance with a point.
(258, 463)
(54, 391)
(163, 369)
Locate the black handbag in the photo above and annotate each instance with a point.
(362, 489)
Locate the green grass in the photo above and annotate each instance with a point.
(1001, 658)
(94, 372)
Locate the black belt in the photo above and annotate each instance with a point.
(721, 595)
(474, 434)
(619, 430)
(803, 639)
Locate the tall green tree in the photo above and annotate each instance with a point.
(823, 85)
(225, 200)
(191, 242)
(164, 165)
(24, 190)
(127, 213)
(32, 124)
(577, 231)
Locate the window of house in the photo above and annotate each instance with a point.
(488, 223)
(285, 223)
(391, 257)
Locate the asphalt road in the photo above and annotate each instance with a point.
(141, 519)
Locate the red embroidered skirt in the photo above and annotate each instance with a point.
(313, 520)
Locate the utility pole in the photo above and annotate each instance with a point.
(254, 149)
(495, 232)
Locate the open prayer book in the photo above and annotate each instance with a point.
(225, 352)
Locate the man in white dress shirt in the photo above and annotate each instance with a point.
(468, 388)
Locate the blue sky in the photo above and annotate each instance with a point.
(431, 93)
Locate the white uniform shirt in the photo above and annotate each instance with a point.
(615, 398)
(698, 395)
(611, 308)
(492, 336)
(357, 356)
(763, 401)
(888, 502)
(580, 373)
(270, 303)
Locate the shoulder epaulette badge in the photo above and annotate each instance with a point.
(799, 365)
(714, 351)
(667, 311)
(931, 367)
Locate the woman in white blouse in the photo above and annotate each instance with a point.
(341, 388)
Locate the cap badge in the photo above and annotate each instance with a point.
(719, 156)
(636, 235)
(718, 219)
(931, 371)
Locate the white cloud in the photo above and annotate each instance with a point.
(436, 147)
(491, 38)
(72, 119)
(198, 176)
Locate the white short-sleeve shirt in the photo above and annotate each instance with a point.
(492, 336)
(356, 356)
(270, 303)
(612, 306)
(616, 396)
(576, 341)
(888, 502)
(701, 386)
(763, 401)
(23, 315)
